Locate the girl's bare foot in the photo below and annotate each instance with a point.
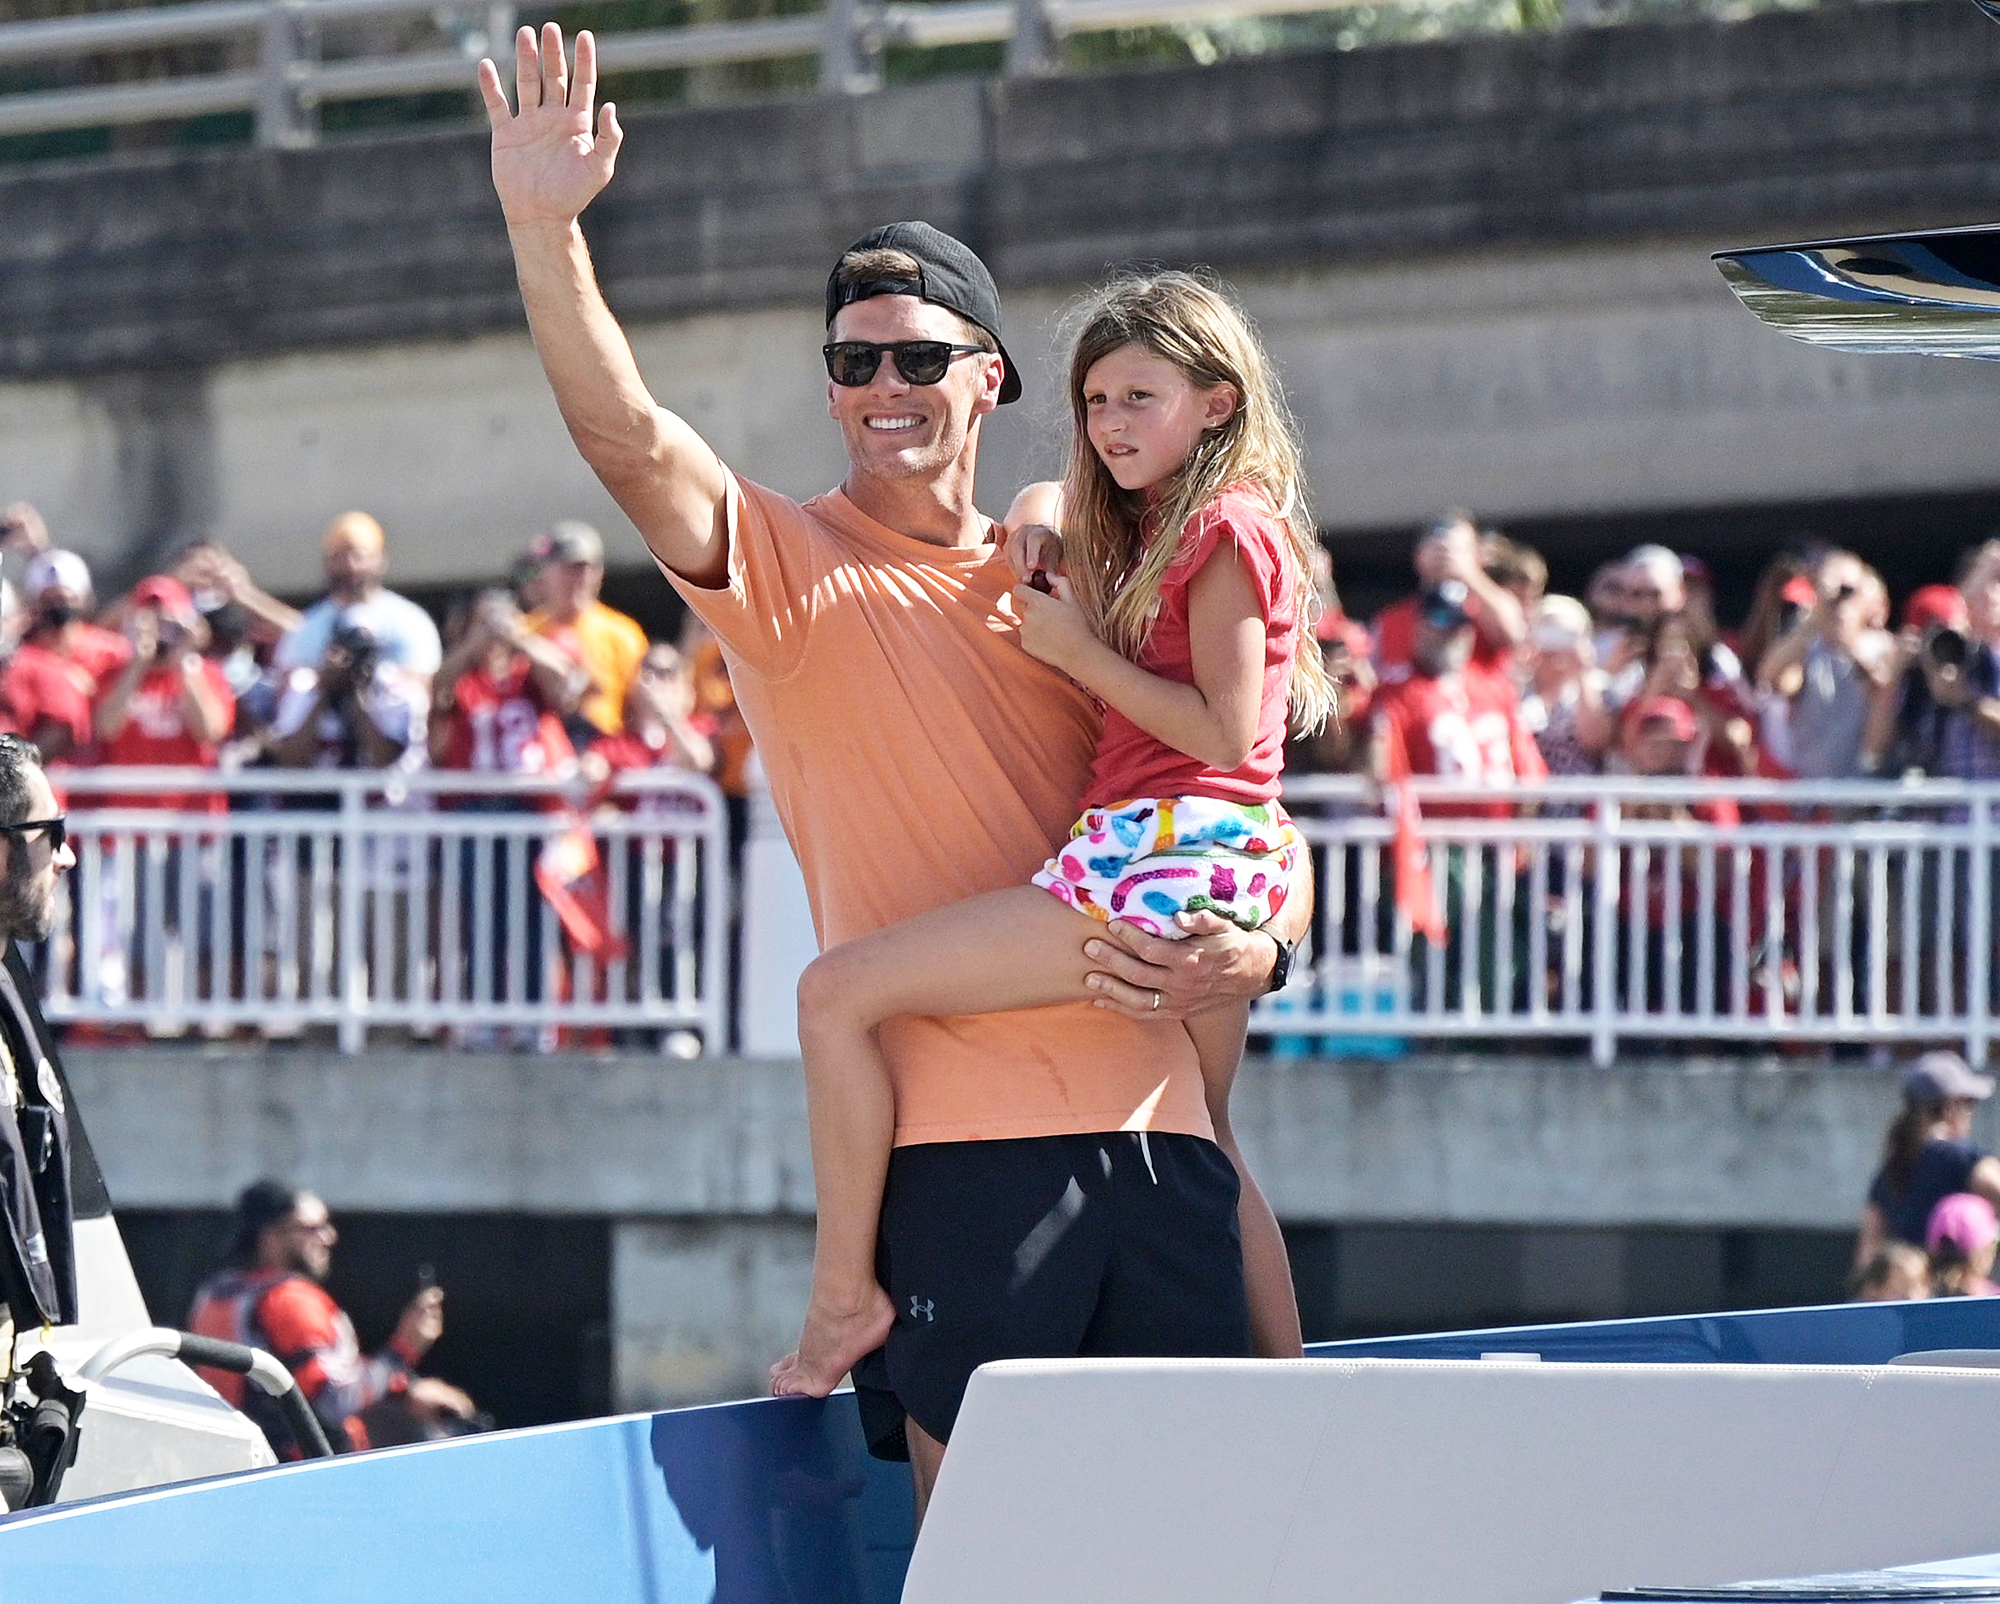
(835, 1339)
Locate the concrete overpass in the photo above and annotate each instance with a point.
(1481, 262)
(675, 1199)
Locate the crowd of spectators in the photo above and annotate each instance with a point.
(1819, 679)
(198, 667)
(1479, 675)
(1482, 677)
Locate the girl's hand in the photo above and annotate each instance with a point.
(1053, 628)
(1034, 549)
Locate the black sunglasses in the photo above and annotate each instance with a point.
(852, 363)
(57, 827)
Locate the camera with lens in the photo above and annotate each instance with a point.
(358, 645)
(1947, 649)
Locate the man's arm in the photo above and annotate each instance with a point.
(1217, 963)
(550, 160)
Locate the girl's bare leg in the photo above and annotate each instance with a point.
(1018, 948)
(1267, 1268)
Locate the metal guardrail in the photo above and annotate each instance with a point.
(1597, 910)
(281, 79)
(360, 902)
(1592, 910)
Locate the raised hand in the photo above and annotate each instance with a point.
(551, 157)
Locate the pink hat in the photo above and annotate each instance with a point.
(1668, 710)
(168, 594)
(1965, 1220)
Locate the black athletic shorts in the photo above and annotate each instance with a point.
(1048, 1247)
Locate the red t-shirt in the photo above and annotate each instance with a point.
(505, 725)
(1131, 763)
(37, 688)
(1396, 641)
(99, 653)
(155, 735)
(625, 753)
(1465, 728)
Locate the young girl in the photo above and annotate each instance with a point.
(1185, 604)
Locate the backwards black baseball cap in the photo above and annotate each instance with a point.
(949, 275)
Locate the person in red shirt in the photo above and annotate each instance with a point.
(498, 706)
(167, 707)
(59, 595)
(1447, 719)
(661, 730)
(268, 1294)
(1661, 737)
(1452, 720)
(1448, 553)
(41, 701)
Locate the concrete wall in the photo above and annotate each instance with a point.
(1415, 1190)
(1482, 264)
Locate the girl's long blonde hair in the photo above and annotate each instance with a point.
(1114, 573)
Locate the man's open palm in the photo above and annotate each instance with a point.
(552, 157)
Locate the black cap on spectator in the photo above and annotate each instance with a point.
(570, 541)
(1942, 1076)
(258, 1205)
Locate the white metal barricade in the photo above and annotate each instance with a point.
(1604, 912)
(430, 903)
(1620, 911)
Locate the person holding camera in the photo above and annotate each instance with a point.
(1906, 720)
(1962, 675)
(1448, 553)
(168, 707)
(355, 711)
(1829, 666)
(269, 1292)
(354, 555)
(499, 707)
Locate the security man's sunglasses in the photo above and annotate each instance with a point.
(852, 363)
(57, 827)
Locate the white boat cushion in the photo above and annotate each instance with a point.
(1377, 1481)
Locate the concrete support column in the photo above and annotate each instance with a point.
(701, 1308)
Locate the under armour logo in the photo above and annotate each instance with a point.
(923, 1309)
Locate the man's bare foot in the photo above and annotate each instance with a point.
(833, 1342)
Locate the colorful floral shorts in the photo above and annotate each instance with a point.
(1153, 857)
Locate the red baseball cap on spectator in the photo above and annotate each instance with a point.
(1934, 607)
(1664, 710)
(167, 594)
(1800, 592)
(1965, 1220)
(1339, 627)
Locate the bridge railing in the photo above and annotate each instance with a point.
(276, 70)
(1617, 912)
(462, 905)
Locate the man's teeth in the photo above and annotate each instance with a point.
(889, 425)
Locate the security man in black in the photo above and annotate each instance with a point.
(38, 1277)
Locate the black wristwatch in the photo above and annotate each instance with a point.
(1281, 971)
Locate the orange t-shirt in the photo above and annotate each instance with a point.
(917, 756)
